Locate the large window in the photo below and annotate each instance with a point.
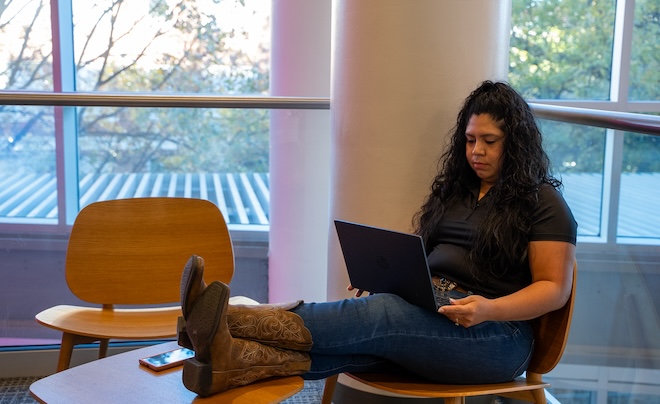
(562, 49)
(56, 160)
(573, 53)
(602, 55)
(53, 161)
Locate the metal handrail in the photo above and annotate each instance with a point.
(71, 99)
(625, 121)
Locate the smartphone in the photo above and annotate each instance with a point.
(167, 359)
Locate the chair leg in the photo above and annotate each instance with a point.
(66, 350)
(454, 400)
(329, 390)
(103, 348)
(69, 341)
(538, 394)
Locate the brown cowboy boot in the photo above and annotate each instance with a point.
(222, 362)
(270, 324)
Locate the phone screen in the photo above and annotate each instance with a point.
(167, 359)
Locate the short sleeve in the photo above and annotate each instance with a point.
(553, 219)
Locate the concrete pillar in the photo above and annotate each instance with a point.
(299, 151)
(400, 71)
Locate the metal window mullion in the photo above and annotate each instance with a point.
(621, 52)
(66, 132)
(613, 163)
(68, 181)
(619, 85)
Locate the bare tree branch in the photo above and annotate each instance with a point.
(89, 37)
(18, 62)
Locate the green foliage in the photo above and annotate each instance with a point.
(573, 148)
(175, 140)
(562, 49)
(641, 153)
(645, 58)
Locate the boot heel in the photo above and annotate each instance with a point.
(182, 337)
(198, 377)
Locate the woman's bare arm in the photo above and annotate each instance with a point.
(551, 264)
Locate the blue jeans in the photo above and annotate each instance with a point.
(382, 332)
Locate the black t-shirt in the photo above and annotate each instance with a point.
(552, 221)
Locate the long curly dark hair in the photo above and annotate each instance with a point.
(500, 245)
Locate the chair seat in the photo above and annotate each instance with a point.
(550, 333)
(147, 323)
(411, 386)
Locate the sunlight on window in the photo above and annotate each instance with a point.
(197, 46)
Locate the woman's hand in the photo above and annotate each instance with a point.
(358, 292)
(468, 311)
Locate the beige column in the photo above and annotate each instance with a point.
(299, 152)
(400, 71)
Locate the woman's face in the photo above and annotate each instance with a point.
(484, 148)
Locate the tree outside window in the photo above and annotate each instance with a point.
(192, 46)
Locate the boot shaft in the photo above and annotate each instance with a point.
(269, 324)
(272, 325)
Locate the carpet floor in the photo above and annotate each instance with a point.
(16, 391)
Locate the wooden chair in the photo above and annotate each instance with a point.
(132, 252)
(550, 333)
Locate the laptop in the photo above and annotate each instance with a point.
(386, 261)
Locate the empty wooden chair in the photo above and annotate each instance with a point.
(132, 252)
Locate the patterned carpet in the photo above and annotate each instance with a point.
(16, 391)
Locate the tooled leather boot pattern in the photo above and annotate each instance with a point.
(263, 361)
(268, 325)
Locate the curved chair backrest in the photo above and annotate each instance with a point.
(551, 334)
(132, 251)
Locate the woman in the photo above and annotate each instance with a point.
(501, 240)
